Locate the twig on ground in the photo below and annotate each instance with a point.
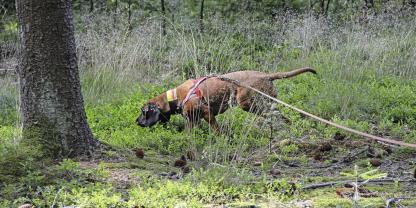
(321, 185)
(343, 160)
(394, 201)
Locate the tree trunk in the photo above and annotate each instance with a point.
(322, 5)
(201, 17)
(91, 6)
(129, 16)
(115, 13)
(51, 102)
(162, 4)
(327, 7)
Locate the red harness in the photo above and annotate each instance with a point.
(194, 91)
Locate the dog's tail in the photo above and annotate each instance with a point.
(282, 75)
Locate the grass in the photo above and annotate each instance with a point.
(365, 81)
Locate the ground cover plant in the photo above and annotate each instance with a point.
(366, 73)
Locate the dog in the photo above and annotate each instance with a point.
(207, 97)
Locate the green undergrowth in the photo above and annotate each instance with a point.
(114, 124)
(68, 183)
(103, 185)
(380, 107)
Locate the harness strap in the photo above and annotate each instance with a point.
(194, 91)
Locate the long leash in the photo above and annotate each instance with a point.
(368, 136)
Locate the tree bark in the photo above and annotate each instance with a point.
(201, 17)
(162, 4)
(327, 7)
(51, 102)
(91, 6)
(115, 15)
(322, 5)
(130, 26)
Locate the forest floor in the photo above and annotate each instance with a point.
(315, 180)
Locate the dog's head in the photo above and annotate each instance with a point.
(151, 115)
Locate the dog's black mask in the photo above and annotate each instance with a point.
(151, 115)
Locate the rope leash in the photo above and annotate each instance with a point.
(368, 136)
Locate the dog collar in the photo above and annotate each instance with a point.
(171, 95)
(172, 99)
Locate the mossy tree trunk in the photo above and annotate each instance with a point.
(91, 6)
(201, 17)
(322, 5)
(162, 5)
(51, 103)
(129, 11)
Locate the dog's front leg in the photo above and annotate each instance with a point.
(210, 118)
(191, 113)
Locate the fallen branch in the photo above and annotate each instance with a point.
(320, 185)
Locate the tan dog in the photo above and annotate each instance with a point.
(209, 96)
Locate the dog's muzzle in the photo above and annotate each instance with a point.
(140, 122)
(150, 115)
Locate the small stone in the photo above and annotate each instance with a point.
(180, 162)
(256, 173)
(370, 151)
(304, 204)
(164, 174)
(338, 136)
(354, 144)
(325, 147)
(317, 156)
(375, 162)
(25, 206)
(139, 153)
(174, 177)
(257, 163)
(387, 149)
(275, 172)
(285, 142)
(376, 152)
(380, 153)
(186, 170)
(348, 185)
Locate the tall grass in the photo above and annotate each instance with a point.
(354, 59)
(349, 51)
